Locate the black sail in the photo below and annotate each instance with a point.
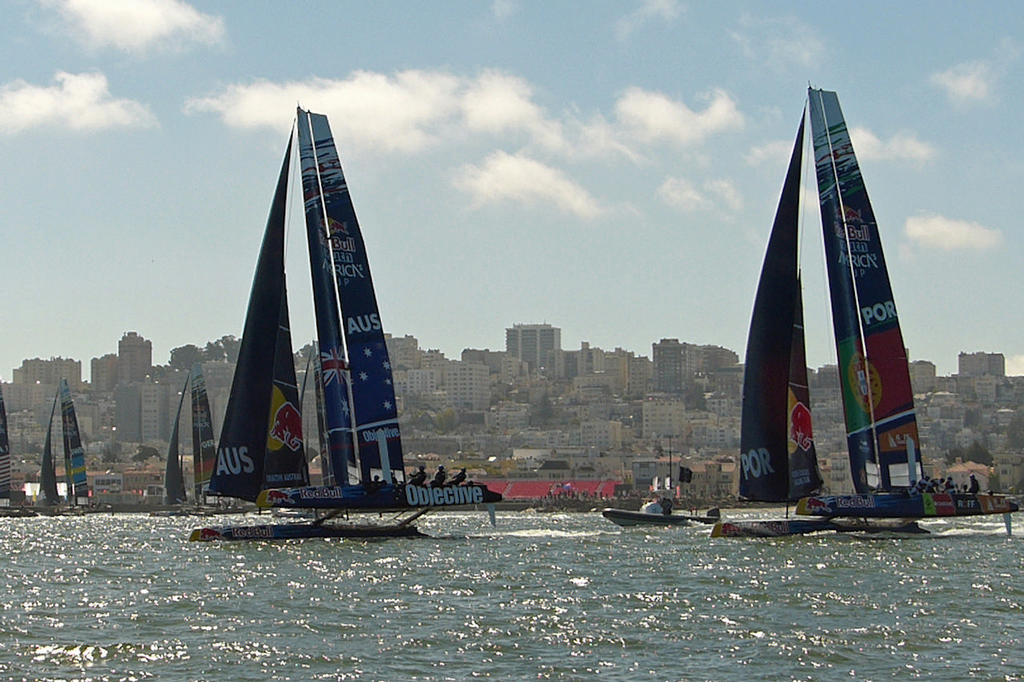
(777, 458)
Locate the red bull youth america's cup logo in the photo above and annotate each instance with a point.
(286, 427)
(800, 428)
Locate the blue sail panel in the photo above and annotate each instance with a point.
(5, 454)
(374, 406)
(241, 453)
(336, 410)
(74, 453)
(878, 399)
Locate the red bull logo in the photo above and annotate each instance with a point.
(208, 534)
(800, 429)
(277, 496)
(286, 427)
(815, 505)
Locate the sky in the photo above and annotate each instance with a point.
(609, 168)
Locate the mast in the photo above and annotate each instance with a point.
(873, 371)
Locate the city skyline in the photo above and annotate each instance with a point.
(135, 339)
(611, 168)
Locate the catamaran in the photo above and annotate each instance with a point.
(74, 458)
(778, 460)
(261, 454)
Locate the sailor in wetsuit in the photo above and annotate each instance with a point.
(666, 506)
(420, 477)
(459, 477)
(439, 477)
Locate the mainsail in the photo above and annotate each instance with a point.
(204, 449)
(74, 453)
(174, 477)
(262, 423)
(778, 460)
(5, 457)
(47, 471)
(374, 407)
(877, 397)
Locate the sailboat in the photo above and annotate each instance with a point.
(778, 462)
(261, 454)
(174, 476)
(5, 469)
(74, 456)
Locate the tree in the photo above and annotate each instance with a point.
(144, 452)
(1015, 431)
(446, 420)
(183, 357)
(978, 453)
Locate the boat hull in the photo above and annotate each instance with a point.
(898, 505)
(297, 531)
(626, 518)
(386, 498)
(786, 527)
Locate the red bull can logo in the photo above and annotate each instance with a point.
(286, 427)
(800, 430)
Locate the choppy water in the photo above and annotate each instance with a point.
(541, 596)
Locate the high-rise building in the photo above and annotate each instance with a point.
(103, 373)
(134, 358)
(669, 358)
(980, 364)
(534, 344)
(39, 371)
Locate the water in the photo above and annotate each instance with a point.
(540, 597)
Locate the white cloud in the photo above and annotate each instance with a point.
(681, 193)
(411, 111)
(654, 117)
(903, 146)
(780, 44)
(503, 9)
(684, 195)
(505, 177)
(498, 103)
(934, 231)
(648, 11)
(966, 82)
(138, 25)
(76, 101)
(400, 113)
(770, 152)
